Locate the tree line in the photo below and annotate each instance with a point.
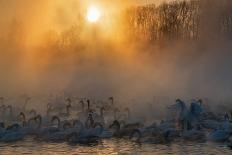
(188, 20)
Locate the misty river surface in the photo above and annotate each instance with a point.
(112, 146)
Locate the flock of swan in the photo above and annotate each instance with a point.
(88, 121)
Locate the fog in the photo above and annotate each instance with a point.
(38, 57)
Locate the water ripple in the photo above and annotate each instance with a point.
(111, 147)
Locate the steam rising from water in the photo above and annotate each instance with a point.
(31, 61)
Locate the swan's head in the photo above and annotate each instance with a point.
(111, 99)
(55, 118)
(13, 127)
(32, 112)
(116, 125)
(103, 108)
(38, 117)
(49, 106)
(90, 114)
(127, 110)
(180, 104)
(22, 115)
(200, 101)
(69, 105)
(68, 100)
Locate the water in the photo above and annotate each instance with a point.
(112, 147)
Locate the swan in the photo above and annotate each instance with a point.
(109, 118)
(141, 134)
(45, 132)
(120, 130)
(99, 118)
(218, 135)
(194, 134)
(60, 135)
(93, 128)
(13, 133)
(162, 133)
(230, 143)
(9, 113)
(111, 101)
(130, 122)
(210, 124)
(222, 133)
(86, 135)
(84, 113)
(67, 113)
(34, 130)
(32, 113)
(187, 118)
(22, 117)
(110, 105)
(153, 135)
(26, 126)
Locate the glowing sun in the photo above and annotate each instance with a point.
(93, 14)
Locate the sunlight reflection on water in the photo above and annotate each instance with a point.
(111, 147)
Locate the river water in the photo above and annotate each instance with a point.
(112, 147)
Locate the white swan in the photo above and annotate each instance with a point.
(45, 132)
(219, 136)
(60, 135)
(86, 135)
(195, 134)
(162, 133)
(13, 133)
(222, 133)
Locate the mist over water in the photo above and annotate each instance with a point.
(48, 58)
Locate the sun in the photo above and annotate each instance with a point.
(93, 14)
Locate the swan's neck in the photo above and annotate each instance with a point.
(83, 106)
(115, 114)
(58, 121)
(58, 125)
(101, 112)
(90, 122)
(23, 116)
(33, 113)
(29, 121)
(40, 121)
(68, 109)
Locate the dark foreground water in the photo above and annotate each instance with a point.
(114, 147)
